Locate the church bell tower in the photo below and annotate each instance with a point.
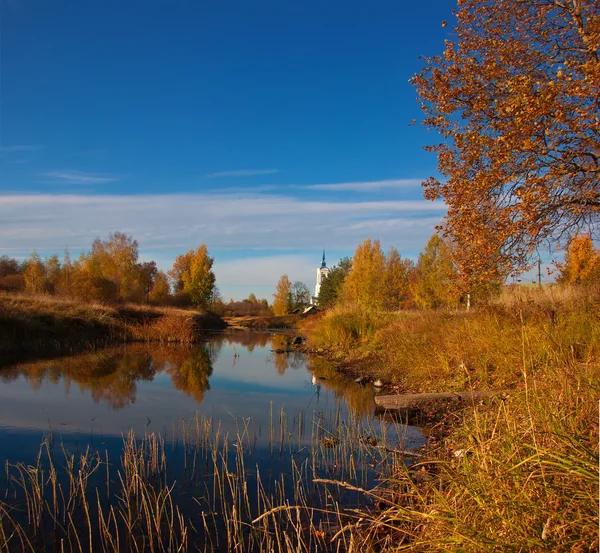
(322, 273)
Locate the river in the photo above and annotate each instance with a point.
(232, 395)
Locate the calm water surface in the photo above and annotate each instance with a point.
(234, 380)
(150, 388)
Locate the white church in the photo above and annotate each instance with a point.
(322, 273)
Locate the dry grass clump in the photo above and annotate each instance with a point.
(170, 327)
(343, 327)
(36, 323)
(60, 505)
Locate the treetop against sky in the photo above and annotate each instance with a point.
(267, 130)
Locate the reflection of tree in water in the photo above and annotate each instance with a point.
(280, 360)
(360, 399)
(214, 349)
(191, 374)
(283, 356)
(114, 379)
(248, 340)
(109, 375)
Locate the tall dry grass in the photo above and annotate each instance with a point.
(343, 327)
(483, 348)
(518, 473)
(220, 501)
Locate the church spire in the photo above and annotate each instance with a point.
(323, 264)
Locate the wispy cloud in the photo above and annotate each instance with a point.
(21, 148)
(366, 186)
(243, 173)
(240, 222)
(79, 177)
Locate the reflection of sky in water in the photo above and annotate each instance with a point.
(154, 387)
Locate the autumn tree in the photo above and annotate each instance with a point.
(52, 275)
(436, 281)
(34, 274)
(515, 99)
(300, 295)
(332, 283)
(63, 287)
(160, 291)
(282, 301)
(11, 279)
(192, 273)
(146, 274)
(8, 266)
(396, 286)
(582, 262)
(88, 283)
(364, 284)
(116, 260)
(216, 301)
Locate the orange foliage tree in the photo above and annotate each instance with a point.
(515, 98)
(436, 279)
(582, 262)
(364, 285)
(282, 298)
(34, 274)
(115, 260)
(396, 281)
(192, 273)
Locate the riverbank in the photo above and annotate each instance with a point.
(457, 350)
(42, 323)
(514, 472)
(262, 322)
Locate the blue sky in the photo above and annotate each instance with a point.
(267, 130)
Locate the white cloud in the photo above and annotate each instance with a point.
(181, 221)
(79, 177)
(367, 186)
(243, 173)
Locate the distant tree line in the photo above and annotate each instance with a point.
(249, 307)
(373, 279)
(112, 272)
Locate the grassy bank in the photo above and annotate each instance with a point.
(41, 323)
(262, 322)
(516, 473)
(456, 350)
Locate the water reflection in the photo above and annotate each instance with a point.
(232, 375)
(279, 412)
(284, 356)
(111, 376)
(359, 399)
